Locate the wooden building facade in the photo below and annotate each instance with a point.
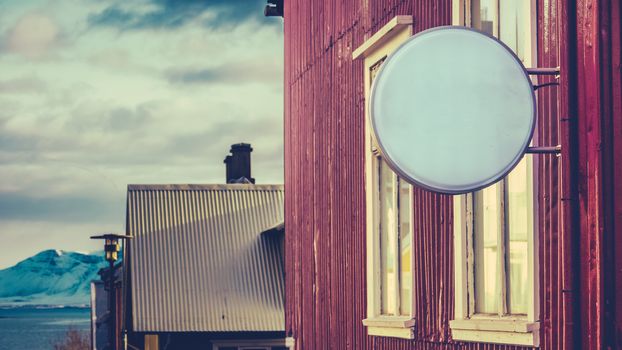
(574, 293)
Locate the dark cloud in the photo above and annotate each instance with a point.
(176, 13)
(230, 73)
(62, 208)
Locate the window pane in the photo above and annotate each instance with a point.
(488, 214)
(509, 21)
(405, 247)
(484, 16)
(388, 243)
(514, 31)
(519, 226)
(514, 26)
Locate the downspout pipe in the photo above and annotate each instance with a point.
(571, 243)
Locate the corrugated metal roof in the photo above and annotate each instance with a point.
(198, 260)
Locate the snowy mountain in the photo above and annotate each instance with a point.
(52, 277)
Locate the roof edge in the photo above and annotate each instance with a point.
(278, 228)
(205, 187)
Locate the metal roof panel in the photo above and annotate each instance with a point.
(198, 260)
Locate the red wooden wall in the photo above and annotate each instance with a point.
(554, 208)
(611, 61)
(598, 116)
(580, 203)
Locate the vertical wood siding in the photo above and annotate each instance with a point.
(613, 186)
(549, 172)
(325, 194)
(599, 164)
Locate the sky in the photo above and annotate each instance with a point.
(96, 95)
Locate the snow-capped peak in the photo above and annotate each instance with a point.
(50, 277)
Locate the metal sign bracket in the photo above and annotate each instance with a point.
(543, 71)
(544, 150)
(550, 72)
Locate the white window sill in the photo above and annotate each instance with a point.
(391, 326)
(497, 330)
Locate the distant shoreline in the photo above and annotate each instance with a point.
(44, 307)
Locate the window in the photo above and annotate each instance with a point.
(389, 211)
(393, 210)
(151, 342)
(495, 233)
(258, 344)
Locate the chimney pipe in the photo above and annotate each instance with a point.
(238, 164)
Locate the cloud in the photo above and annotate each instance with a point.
(30, 143)
(19, 206)
(229, 73)
(13, 142)
(114, 60)
(22, 86)
(112, 119)
(168, 14)
(32, 36)
(221, 134)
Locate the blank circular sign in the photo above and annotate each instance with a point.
(453, 110)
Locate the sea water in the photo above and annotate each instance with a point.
(40, 328)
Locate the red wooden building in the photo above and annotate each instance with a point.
(372, 263)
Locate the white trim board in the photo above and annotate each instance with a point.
(373, 50)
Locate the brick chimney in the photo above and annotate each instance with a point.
(238, 164)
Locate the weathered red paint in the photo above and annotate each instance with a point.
(599, 159)
(579, 199)
(613, 240)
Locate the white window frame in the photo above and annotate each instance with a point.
(485, 328)
(373, 50)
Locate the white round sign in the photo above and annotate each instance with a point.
(453, 110)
